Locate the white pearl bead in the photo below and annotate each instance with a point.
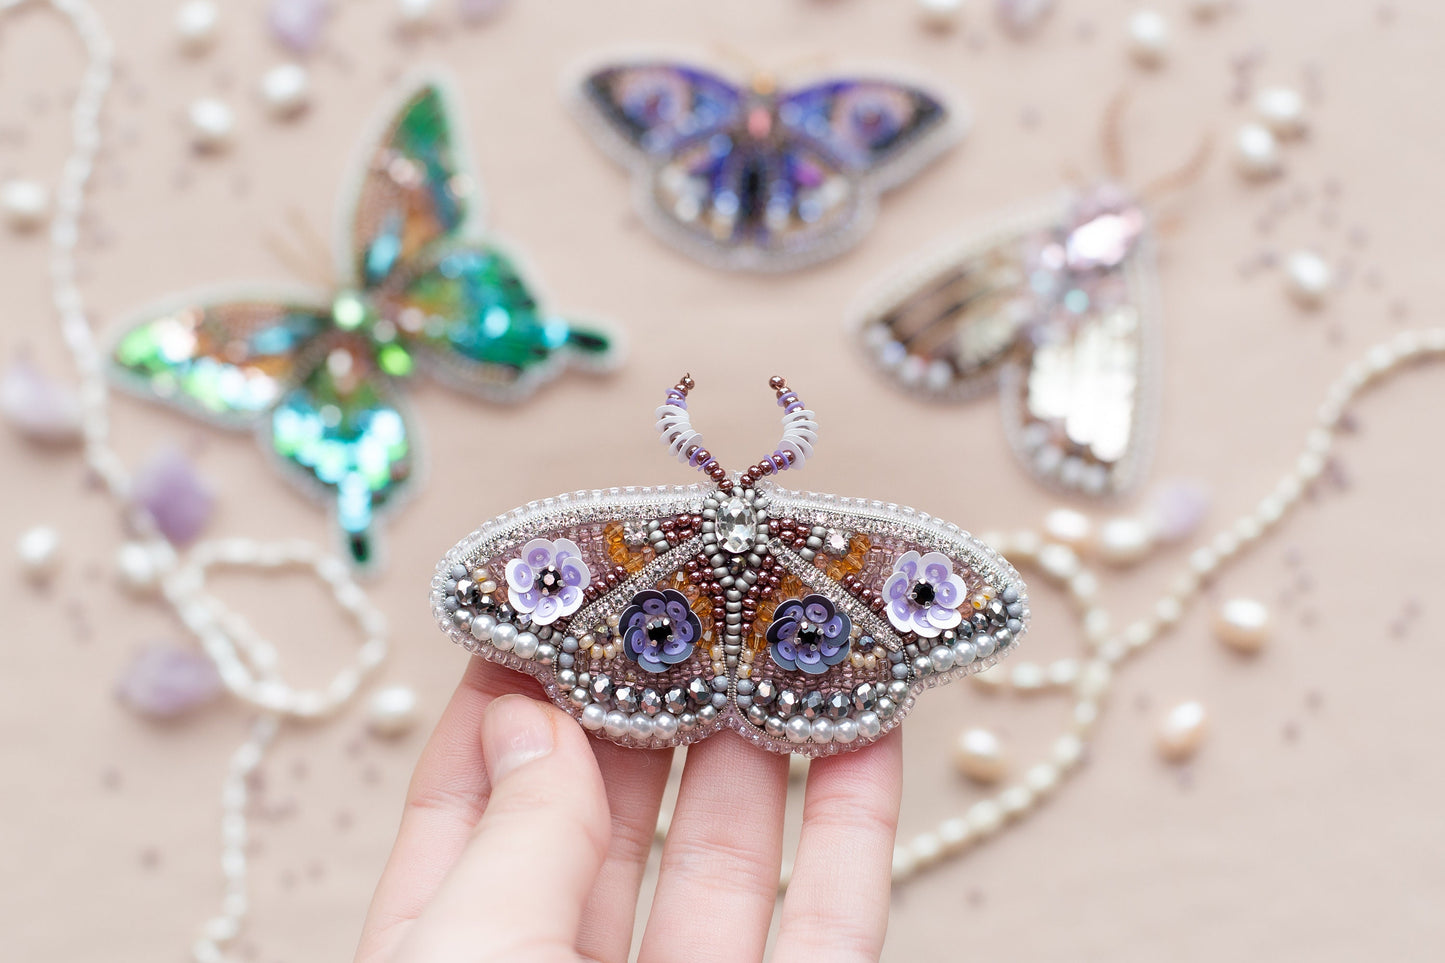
(1282, 110)
(137, 566)
(1148, 37)
(1308, 276)
(1256, 151)
(1124, 540)
(979, 756)
(212, 123)
(1182, 731)
(39, 551)
(1243, 624)
(940, 14)
(196, 23)
(26, 203)
(286, 89)
(416, 13)
(1069, 527)
(391, 711)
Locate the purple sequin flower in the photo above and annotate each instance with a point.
(659, 629)
(547, 581)
(809, 635)
(923, 594)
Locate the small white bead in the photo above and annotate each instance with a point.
(286, 89)
(1256, 151)
(1309, 277)
(1067, 751)
(138, 568)
(1282, 110)
(39, 551)
(212, 124)
(979, 755)
(391, 711)
(926, 848)
(940, 14)
(1243, 624)
(1124, 541)
(415, 13)
(1182, 731)
(1042, 778)
(1148, 37)
(196, 23)
(1093, 680)
(903, 862)
(26, 204)
(1058, 561)
(984, 817)
(1016, 800)
(1069, 527)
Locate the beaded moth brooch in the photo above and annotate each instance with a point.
(805, 622)
(317, 375)
(755, 177)
(1058, 307)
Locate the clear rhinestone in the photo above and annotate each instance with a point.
(736, 521)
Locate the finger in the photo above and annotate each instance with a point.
(635, 779)
(446, 797)
(719, 876)
(517, 890)
(837, 902)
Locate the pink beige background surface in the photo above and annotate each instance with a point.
(1310, 825)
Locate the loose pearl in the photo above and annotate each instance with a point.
(39, 551)
(137, 566)
(1308, 277)
(26, 204)
(1124, 540)
(1256, 151)
(212, 124)
(1182, 731)
(940, 14)
(1282, 110)
(391, 711)
(979, 756)
(1148, 37)
(1068, 527)
(286, 89)
(1243, 624)
(196, 23)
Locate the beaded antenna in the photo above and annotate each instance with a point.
(757, 178)
(317, 374)
(1058, 307)
(805, 622)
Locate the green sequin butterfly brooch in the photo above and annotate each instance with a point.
(317, 374)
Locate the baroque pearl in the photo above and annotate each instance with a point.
(1182, 731)
(212, 124)
(391, 711)
(26, 203)
(1256, 151)
(1282, 110)
(1148, 37)
(940, 14)
(1124, 540)
(979, 756)
(1243, 624)
(286, 89)
(1069, 527)
(39, 551)
(196, 23)
(1308, 277)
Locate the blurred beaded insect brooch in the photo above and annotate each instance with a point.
(807, 623)
(1059, 307)
(317, 374)
(754, 177)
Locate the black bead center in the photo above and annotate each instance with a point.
(549, 580)
(659, 631)
(923, 593)
(808, 633)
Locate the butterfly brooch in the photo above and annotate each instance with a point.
(1058, 307)
(757, 178)
(317, 375)
(805, 622)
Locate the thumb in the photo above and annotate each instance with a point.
(518, 889)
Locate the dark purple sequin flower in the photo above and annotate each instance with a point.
(659, 629)
(809, 635)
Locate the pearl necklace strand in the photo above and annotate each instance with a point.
(248, 664)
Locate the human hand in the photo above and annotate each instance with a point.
(524, 840)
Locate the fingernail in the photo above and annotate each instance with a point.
(515, 732)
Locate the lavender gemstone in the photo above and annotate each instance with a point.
(39, 407)
(178, 500)
(296, 24)
(1178, 509)
(164, 681)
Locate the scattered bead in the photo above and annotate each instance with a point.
(940, 14)
(40, 408)
(26, 204)
(170, 490)
(1308, 277)
(1256, 151)
(1069, 527)
(1282, 110)
(979, 756)
(391, 711)
(1243, 624)
(165, 681)
(286, 89)
(138, 567)
(196, 23)
(296, 24)
(1182, 731)
(1125, 540)
(1148, 37)
(212, 124)
(39, 551)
